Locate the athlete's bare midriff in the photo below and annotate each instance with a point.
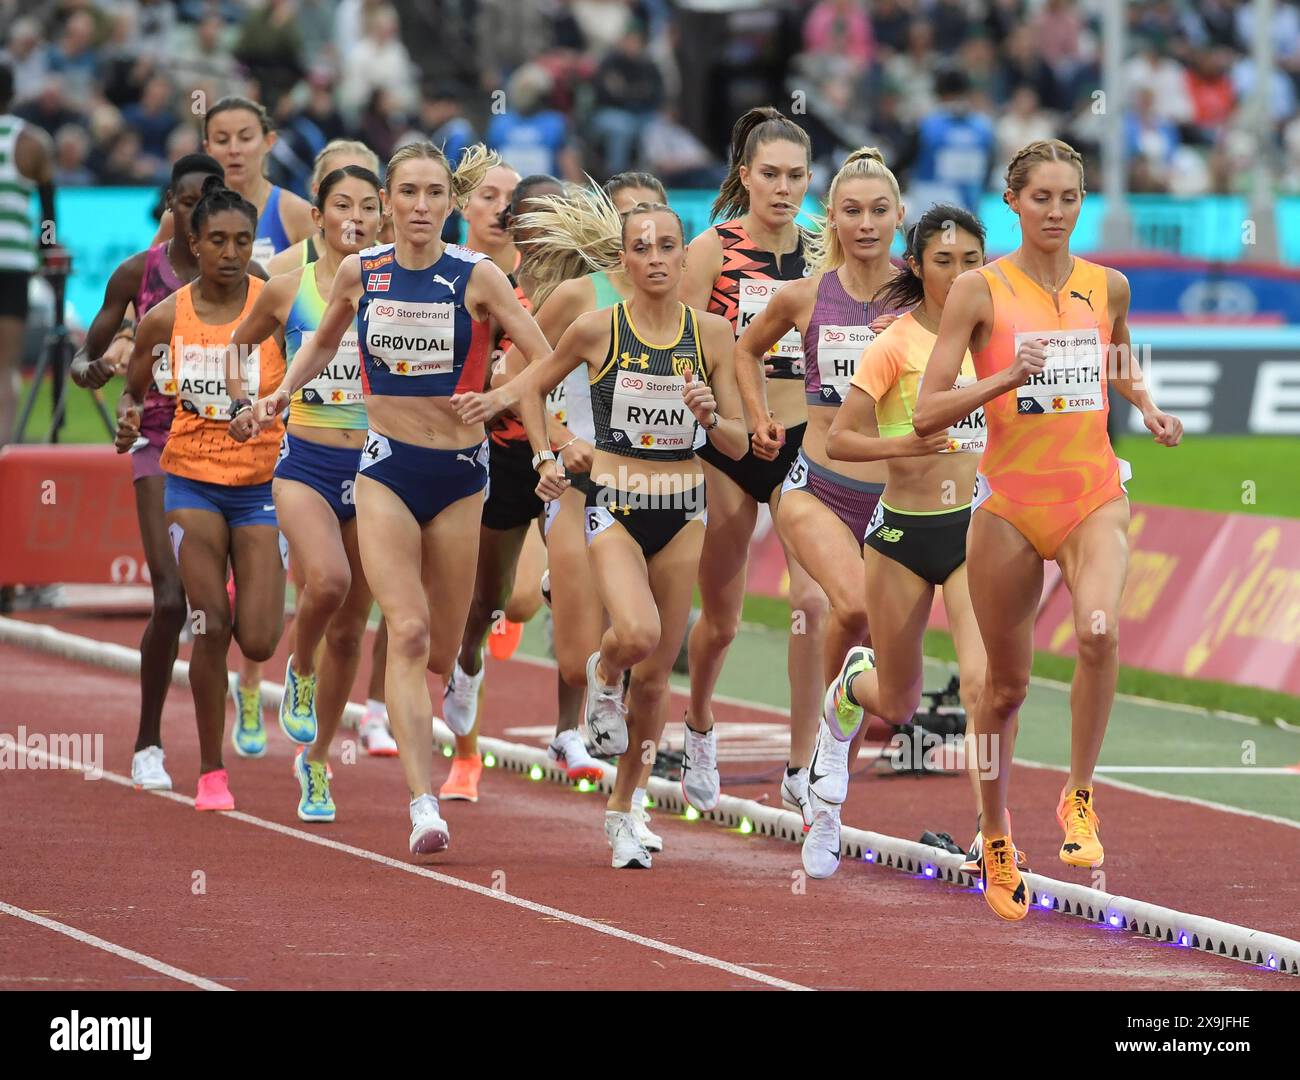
(421, 421)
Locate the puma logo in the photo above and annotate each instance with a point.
(452, 284)
(1071, 848)
(1019, 895)
(1086, 299)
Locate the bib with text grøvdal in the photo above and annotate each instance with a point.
(412, 338)
(1071, 380)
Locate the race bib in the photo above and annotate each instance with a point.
(201, 380)
(786, 356)
(263, 249)
(648, 412)
(411, 338)
(376, 449)
(1071, 381)
(969, 434)
(340, 382)
(839, 348)
(556, 401)
(164, 380)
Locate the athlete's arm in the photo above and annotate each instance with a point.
(310, 360)
(703, 265)
(1125, 374)
(269, 314)
(969, 308)
(784, 312)
(855, 434)
(719, 396)
(152, 337)
(567, 302)
(286, 261)
(34, 159)
(89, 368)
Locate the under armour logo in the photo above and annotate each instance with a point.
(642, 361)
(1086, 299)
(443, 281)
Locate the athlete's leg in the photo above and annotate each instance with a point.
(1094, 564)
(731, 518)
(162, 633)
(576, 614)
(319, 561)
(448, 586)
(619, 569)
(259, 590)
(203, 556)
(378, 661)
(12, 331)
(1005, 575)
(972, 662)
(526, 593)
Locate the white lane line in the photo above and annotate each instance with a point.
(1203, 770)
(108, 947)
(442, 879)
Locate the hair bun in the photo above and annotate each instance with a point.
(212, 182)
(865, 152)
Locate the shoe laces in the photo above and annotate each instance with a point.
(305, 698)
(462, 686)
(250, 710)
(1000, 864)
(701, 749)
(317, 783)
(1081, 819)
(611, 700)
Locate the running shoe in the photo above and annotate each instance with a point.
(629, 852)
(329, 769)
(546, 586)
(821, 844)
(837, 709)
(460, 700)
(651, 841)
(701, 785)
(249, 733)
(504, 638)
(462, 783)
(316, 803)
(1082, 845)
(794, 795)
(1005, 890)
(429, 833)
(298, 706)
(828, 773)
(606, 713)
(147, 772)
(214, 791)
(376, 739)
(972, 864)
(568, 749)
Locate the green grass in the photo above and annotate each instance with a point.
(1243, 474)
(81, 422)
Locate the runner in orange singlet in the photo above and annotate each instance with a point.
(1048, 333)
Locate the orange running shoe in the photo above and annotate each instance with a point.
(1082, 845)
(462, 784)
(1005, 890)
(504, 638)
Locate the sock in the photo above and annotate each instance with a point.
(375, 709)
(848, 692)
(638, 799)
(790, 770)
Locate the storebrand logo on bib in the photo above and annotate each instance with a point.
(112, 1033)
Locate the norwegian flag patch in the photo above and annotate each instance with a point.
(378, 282)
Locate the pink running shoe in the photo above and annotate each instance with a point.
(214, 791)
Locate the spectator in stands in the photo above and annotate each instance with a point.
(602, 22)
(840, 28)
(1023, 65)
(125, 164)
(1210, 92)
(979, 59)
(1021, 122)
(26, 55)
(442, 120)
(383, 122)
(952, 25)
(203, 60)
(1057, 35)
(50, 109)
(155, 28)
(270, 47)
(954, 150)
(154, 117)
(629, 89)
(1150, 141)
(1152, 68)
(890, 20)
(530, 137)
(912, 71)
(1212, 23)
(1282, 91)
(71, 148)
(74, 56)
(379, 61)
(672, 153)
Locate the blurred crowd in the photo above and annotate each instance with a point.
(948, 88)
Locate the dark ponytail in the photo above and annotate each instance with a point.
(215, 198)
(906, 289)
(760, 125)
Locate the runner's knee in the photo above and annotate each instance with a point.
(329, 587)
(1098, 642)
(715, 632)
(343, 637)
(899, 708)
(1003, 696)
(639, 637)
(408, 637)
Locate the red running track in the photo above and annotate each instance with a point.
(278, 911)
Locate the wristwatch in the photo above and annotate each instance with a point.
(540, 456)
(239, 405)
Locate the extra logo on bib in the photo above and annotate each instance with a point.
(1071, 381)
(340, 382)
(201, 379)
(969, 434)
(556, 401)
(753, 296)
(164, 379)
(648, 411)
(410, 338)
(839, 348)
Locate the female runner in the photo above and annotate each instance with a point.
(315, 479)
(421, 309)
(218, 491)
(653, 365)
(1049, 335)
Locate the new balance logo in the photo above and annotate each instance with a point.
(890, 536)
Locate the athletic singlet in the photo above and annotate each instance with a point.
(309, 252)
(636, 399)
(838, 331)
(269, 238)
(574, 393)
(508, 428)
(749, 278)
(200, 446)
(417, 338)
(333, 399)
(891, 371)
(157, 282)
(1047, 440)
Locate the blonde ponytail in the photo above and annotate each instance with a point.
(576, 234)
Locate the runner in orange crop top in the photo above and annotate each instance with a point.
(1049, 336)
(218, 491)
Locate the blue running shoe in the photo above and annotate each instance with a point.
(249, 733)
(298, 706)
(316, 803)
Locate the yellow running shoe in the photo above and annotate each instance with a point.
(1081, 846)
(462, 784)
(1005, 890)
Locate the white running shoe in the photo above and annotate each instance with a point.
(828, 774)
(606, 713)
(568, 749)
(546, 586)
(652, 841)
(460, 700)
(701, 784)
(429, 833)
(376, 739)
(147, 772)
(629, 852)
(821, 844)
(794, 795)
